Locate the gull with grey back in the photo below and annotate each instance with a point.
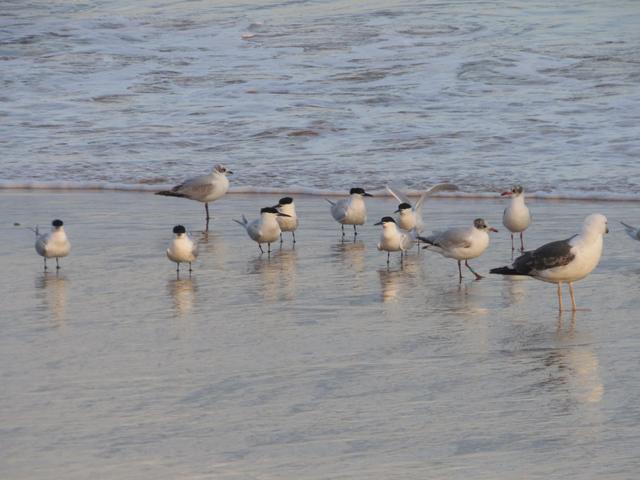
(563, 261)
(203, 188)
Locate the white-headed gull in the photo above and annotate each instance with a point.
(182, 248)
(516, 217)
(204, 188)
(53, 244)
(462, 243)
(564, 261)
(392, 239)
(351, 210)
(290, 223)
(264, 229)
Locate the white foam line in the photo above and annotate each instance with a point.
(125, 187)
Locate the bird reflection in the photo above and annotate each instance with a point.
(277, 273)
(183, 293)
(53, 288)
(515, 291)
(390, 284)
(352, 254)
(575, 365)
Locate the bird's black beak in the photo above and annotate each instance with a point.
(606, 230)
(379, 223)
(282, 215)
(276, 206)
(229, 172)
(367, 194)
(396, 211)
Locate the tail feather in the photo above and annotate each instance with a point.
(504, 271)
(428, 240)
(332, 203)
(170, 193)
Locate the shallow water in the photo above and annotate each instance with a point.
(316, 363)
(317, 95)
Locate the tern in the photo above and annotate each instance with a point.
(410, 217)
(516, 217)
(290, 223)
(564, 261)
(462, 243)
(182, 248)
(204, 188)
(53, 244)
(392, 239)
(633, 232)
(264, 229)
(351, 210)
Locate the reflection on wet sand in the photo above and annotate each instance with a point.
(277, 273)
(53, 288)
(352, 255)
(392, 282)
(183, 293)
(212, 247)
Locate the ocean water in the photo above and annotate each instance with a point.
(319, 96)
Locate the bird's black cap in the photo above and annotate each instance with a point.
(285, 201)
(57, 223)
(479, 223)
(268, 210)
(404, 205)
(360, 191)
(387, 220)
(178, 229)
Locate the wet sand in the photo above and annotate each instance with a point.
(316, 363)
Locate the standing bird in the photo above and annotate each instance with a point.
(633, 232)
(290, 223)
(182, 248)
(409, 217)
(204, 188)
(463, 243)
(53, 244)
(392, 239)
(264, 229)
(516, 217)
(562, 261)
(352, 210)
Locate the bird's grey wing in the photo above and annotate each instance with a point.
(339, 209)
(440, 187)
(197, 189)
(398, 194)
(454, 238)
(549, 255)
(631, 231)
(193, 182)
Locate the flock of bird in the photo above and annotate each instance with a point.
(563, 261)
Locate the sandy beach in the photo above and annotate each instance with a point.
(316, 363)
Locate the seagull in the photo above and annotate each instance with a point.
(411, 218)
(352, 210)
(633, 232)
(182, 249)
(264, 229)
(516, 217)
(290, 223)
(204, 188)
(563, 261)
(461, 243)
(392, 239)
(53, 244)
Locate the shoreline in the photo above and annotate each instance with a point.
(309, 192)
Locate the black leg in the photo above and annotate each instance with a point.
(57, 264)
(342, 226)
(268, 248)
(280, 238)
(388, 254)
(206, 209)
(355, 231)
(45, 264)
(294, 236)
(178, 267)
(460, 270)
(512, 245)
(260, 247)
(190, 268)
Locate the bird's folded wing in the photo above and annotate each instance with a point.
(550, 255)
(454, 238)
